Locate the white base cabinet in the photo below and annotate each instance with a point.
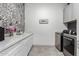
(21, 48)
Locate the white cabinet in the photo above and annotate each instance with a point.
(76, 11)
(71, 12)
(68, 12)
(21, 48)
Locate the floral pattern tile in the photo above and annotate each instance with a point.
(12, 12)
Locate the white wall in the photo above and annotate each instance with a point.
(44, 34)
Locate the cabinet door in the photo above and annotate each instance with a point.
(75, 11)
(65, 13)
(58, 41)
(68, 12)
(21, 48)
(25, 47)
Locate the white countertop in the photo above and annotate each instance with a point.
(9, 41)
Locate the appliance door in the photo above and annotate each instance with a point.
(58, 41)
(1, 34)
(69, 46)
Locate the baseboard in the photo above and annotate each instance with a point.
(43, 45)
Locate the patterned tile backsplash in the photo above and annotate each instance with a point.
(12, 13)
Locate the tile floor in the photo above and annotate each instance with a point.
(44, 51)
